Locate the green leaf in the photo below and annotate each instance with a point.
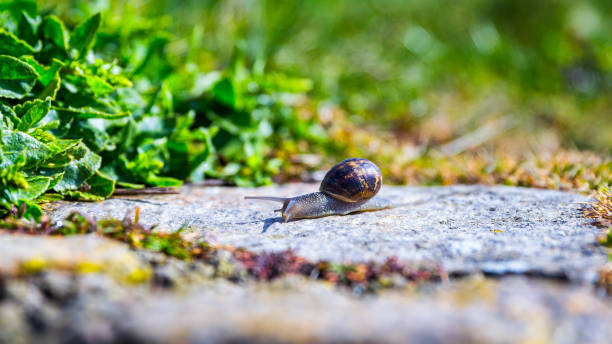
(98, 86)
(155, 65)
(33, 112)
(83, 165)
(83, 36)
(82, 196)
(101, 185)
(96, 138)
(42, 135)
(36, 187)
(49, 197)
(13, 46)
(59, 146)
(52, 88)
(45, 74)
(125, 136)
(28, 27)
(88, 112)
(224, 92)
(51, 125)
(5, 122)
(16, 77)
(201, 162)
(17, 7)
(96, 188)
(130, 185)
(54, 30)
(164, 181)
(14, 144)
(55, 179)
(33, 211)
(9, 117)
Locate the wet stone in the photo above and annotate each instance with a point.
(495, 230)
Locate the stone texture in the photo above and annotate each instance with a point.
(511, 310)
(531, 235)
(508, 310)
(25, 254)
(495, 230)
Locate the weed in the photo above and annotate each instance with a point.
(601, 210)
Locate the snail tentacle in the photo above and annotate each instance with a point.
(348, 187)
(268, 198)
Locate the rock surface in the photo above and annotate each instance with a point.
(22, 254)
(90, 289)
(465, 229)
(508, 310)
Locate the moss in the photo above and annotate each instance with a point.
(601, 213)
(601, 210)
(138, 276)
(424, 158)
(33, 266)
(88, 267)
(128, 272)
(231, 263)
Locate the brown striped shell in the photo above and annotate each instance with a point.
(352, 180)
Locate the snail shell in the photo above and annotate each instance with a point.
(352, 180)
(348, 187)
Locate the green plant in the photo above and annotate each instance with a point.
(255, 112)
(79, 117)
(407, 65)
(62, 110)
(601, 211)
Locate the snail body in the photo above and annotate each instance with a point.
(348, 187)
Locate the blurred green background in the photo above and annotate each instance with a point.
(402, 65)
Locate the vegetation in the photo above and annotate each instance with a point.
(407, 66)
(601, 210)
(75, 125)
(98, 95)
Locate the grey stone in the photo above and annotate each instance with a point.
(27, 254)
(496, 230)
(475, 309)
(85, 291)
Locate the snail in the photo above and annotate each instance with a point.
(348, 187)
